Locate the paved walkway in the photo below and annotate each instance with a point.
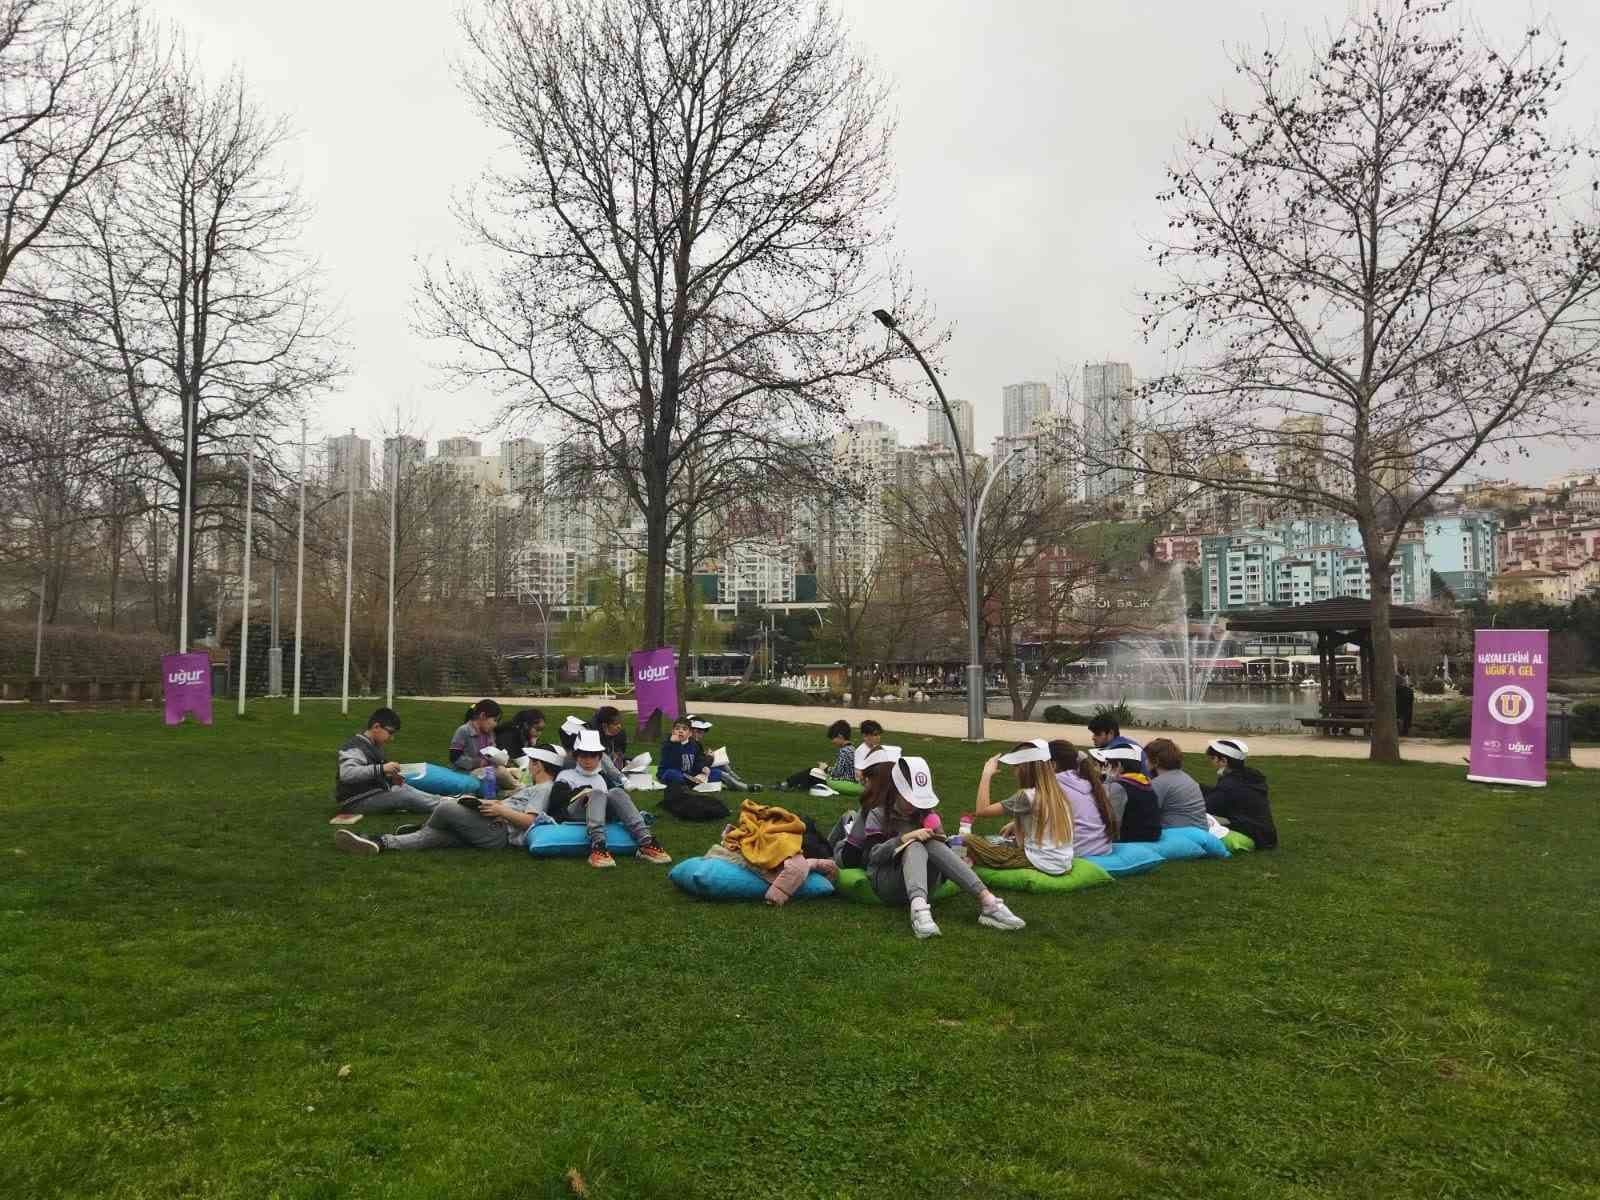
(947, 725)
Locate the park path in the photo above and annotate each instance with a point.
(955, 726)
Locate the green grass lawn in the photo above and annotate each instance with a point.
(1399, 1002)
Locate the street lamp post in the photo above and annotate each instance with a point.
(975, 686)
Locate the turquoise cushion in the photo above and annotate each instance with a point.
(1188, 842)
(440, 781)
(1126, 858)
(854, 885)
(719, 879)
(571, 839)
(1025, 879)
(1238, 843)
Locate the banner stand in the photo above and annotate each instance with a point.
(655, 683)
(1510, 698)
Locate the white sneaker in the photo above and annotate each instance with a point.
(922, 923)
(354, 843)
(1001, 917)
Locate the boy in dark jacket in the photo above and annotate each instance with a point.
(1132, 797)
(683, 759)
(1240, 796)
(363, 782)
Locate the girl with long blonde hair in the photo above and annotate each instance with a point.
(1039, 834)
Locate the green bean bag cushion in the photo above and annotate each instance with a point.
(853, 884)
(1084, 874)
(844, 787)
(1239, 843)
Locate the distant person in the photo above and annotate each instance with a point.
(1183, 804)
(1133, 799)
(1405, 702)
(871, 739)
(725, 774)
(469, 822)
(365, 782)
(842, 768)
(1240, 794)
(473, 737)
(1106, 733)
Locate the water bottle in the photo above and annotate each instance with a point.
(488, 783)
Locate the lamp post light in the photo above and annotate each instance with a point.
(975, 686)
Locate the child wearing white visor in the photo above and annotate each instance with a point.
(1041, 826)
(906, 856)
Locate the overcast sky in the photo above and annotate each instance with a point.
(1032, 137)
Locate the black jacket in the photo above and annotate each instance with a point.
(1141, 815)
(1241, 797)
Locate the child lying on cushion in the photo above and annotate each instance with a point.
(595, 803)
(468, 821)
(841, 770)
(907, 858)
(1040, 831)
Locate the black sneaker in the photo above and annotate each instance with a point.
(408, 827)
(756, 787)
(354, 843)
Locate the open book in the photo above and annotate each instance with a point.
(636, 764)
(820, 774)
(719, 757)
(708, 787)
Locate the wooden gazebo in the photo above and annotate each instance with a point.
(1340, 622)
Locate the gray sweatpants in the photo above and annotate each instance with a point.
(613, 804)
(402, 797)
(919, 868)
(450, 824)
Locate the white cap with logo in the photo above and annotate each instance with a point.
(913, 779)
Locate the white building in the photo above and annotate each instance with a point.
(348, 461)
(521, 466)
(756, 572)
(1022, 402)
(851, 534)
(1107, 427)
(939, 425)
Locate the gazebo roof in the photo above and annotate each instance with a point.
(1344, 613)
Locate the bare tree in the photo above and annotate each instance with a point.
(77, 78)
(697, 205)
(1374, 283)
(184, 282)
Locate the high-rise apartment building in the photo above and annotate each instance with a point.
(460, 447)
(1022, 402)
(401, 455)
(939, 425)
(521, 466)
(349, 461)
(851, 535)
(1107, 428)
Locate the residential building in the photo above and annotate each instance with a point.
(1107, 426)
(1299, 561)
(939, 425)
(401, 455)
(1549, 538)
(1178, 547)
(521, 467)
(757, 573)
(1463, 550)
(851, 534)
(348, 461)
(460, 447)
(1549, 584)
(1021, 403)
(1585, 497)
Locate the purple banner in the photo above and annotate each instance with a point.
(1509, 683)
(187, 686)
(655, 682)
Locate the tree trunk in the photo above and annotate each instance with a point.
(1385, 727)
(655, 572)
(116, 568)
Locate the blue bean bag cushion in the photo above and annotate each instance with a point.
(854, 885)
(1188, 842)
(1238, 843)
(1126, 858)
(719, 879)
(1025, 879)
(440, 781)
(570, 839)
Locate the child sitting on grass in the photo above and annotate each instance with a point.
(1240, 796)
(364, 782)
(1040, 830)
(724, 774)
(905, 856)
(593, 802)
(468, 821)
(1133, 800)
(871, 739)
(682, 760)
(472, 747)
(841, 770)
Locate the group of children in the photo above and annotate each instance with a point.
(1067, 801)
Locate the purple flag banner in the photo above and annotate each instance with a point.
(1510, 678)
(187, 686)
(655, 682)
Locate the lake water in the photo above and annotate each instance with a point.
(1243, 709)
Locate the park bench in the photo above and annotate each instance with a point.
(1341, 717)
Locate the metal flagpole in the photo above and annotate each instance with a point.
(244, 592)
(38, 631)
(300, 571)
(349, 563)
(394, 505)
(191, 421)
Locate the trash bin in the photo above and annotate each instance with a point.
(1557, 729)
(221, 677)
